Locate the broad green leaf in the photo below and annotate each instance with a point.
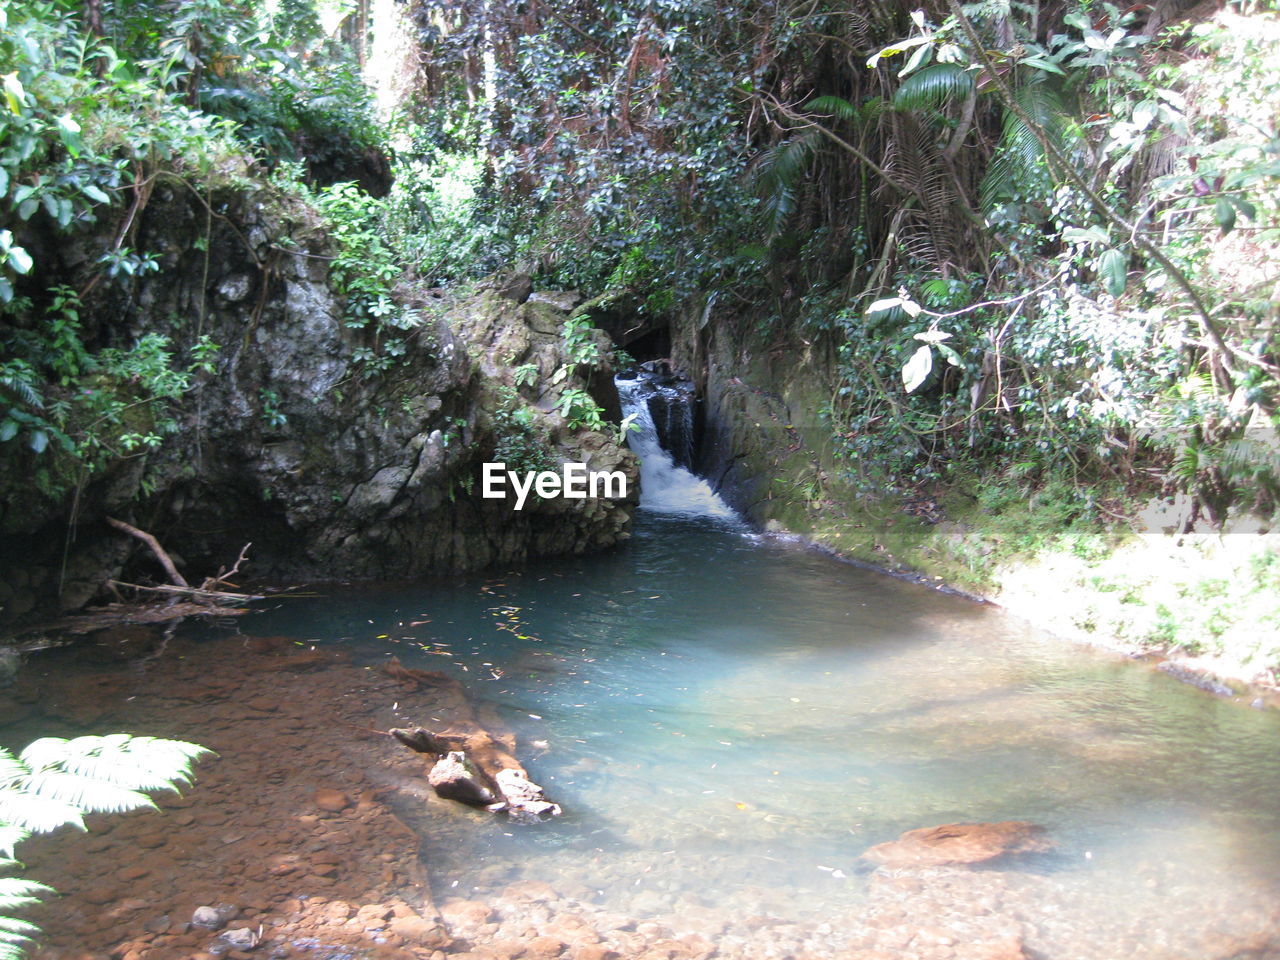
(20, 260)
(1244, 206)
(1225, 214)
(916, 370)
(1113, 267)
(94, 193)
(8, 430)
(69, 131)
(915, 60)
(1040, 63)
(953, 358)
(882, 305)
(1144, 113)
(932, 336)
(39, 441)
(4, 182)
(902, 46)
(1085, 235)
(14, 93)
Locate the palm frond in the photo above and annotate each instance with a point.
(776, 175)
(1019, 161)
(934, 87)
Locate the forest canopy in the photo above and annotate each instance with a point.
(1031, 240)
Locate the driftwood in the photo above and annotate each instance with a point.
(178, 585)
(470, 763)
(174, 576)
(195, 593)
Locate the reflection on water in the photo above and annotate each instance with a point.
(729, 722)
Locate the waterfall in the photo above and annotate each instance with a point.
(665, 486)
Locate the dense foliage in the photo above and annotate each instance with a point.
(1034, 237)
(102, 105)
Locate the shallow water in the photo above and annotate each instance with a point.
(729, 721)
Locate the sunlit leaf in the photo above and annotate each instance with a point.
(1113, 267)
(916, 370)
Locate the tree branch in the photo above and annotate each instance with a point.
(174, 576)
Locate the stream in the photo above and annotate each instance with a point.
(730, 720)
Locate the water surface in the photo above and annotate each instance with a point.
(728, 721)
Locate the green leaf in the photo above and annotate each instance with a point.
(8, 430)
(915, 60)
(14, 94)
(39, 441)
(20, 260)
(1144, 113)
(916, 370)
(1113, 267)
(882, 305)
(1085, 235)
(931, 336)
(902, 46)
(94, 193)
(1225, 214)
(933, 87)
(69, 131)
(953, 358)
(1244, 206)
(4, 181)
(1040, 63)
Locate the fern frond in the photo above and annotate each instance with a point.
(25, 391)
(934, 87)
(11, 768)
(36, 814)
(16, 893)
(91, 796)
(10, 837)
(121, 760)
(12, 926)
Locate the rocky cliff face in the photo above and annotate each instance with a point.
(332, 470)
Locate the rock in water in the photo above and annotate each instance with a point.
(959, 843)
(525, 799)
(454, 777)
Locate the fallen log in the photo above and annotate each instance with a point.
(470, 764)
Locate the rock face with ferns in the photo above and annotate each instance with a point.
(290, 442)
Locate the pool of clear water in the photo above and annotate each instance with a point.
(729, 721)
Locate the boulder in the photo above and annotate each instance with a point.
(958, 843)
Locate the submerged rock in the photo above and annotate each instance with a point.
(958, 843)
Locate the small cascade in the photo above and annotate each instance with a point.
(663, 409)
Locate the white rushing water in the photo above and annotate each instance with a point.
(665, 487)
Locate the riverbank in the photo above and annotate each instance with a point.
(1202, 606)
(1105, 566)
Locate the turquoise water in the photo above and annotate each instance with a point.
(729, 720)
